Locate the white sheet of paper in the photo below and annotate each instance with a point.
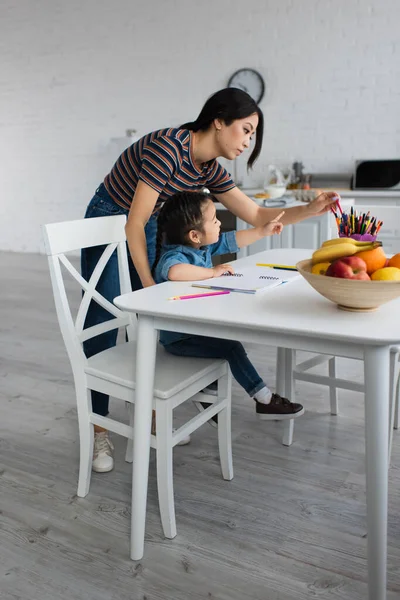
(249, 279)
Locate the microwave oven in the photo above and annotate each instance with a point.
(376, 175)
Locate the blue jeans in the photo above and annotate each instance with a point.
(204, 347)
(102, 205)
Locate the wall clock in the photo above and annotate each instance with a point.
(249, 81)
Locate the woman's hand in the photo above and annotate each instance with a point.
(274, 227)
(322, 203)
(222, 269)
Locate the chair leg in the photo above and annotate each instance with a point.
(396, 399)
(333, 393)
(224, 427)
(86, 435)
(284, 387)
(396, 420)
(165, 483)
(393, 397)
(129, 444)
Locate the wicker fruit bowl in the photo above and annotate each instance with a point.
(350, 294)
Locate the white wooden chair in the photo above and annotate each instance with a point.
(113, 371)
(390, 237)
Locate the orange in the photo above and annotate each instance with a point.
(386, 274)
(374, 259)
(394, 261)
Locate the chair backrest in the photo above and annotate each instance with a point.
(389, 235)
(60, 238)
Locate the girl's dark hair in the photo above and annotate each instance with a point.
(228, 105)
(180, 214)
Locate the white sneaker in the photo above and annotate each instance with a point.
(103, 460)
(185, 441)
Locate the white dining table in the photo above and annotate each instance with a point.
(291, 316)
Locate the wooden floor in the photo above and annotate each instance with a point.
(290, 526)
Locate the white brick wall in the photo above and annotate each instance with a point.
(75, 74)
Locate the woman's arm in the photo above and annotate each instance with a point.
(143, 203)
(246, 209)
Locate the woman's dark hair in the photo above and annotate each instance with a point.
(180, 214)
(228, 105)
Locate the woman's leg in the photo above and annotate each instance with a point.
(108, 286)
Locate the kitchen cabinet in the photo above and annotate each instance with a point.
(311, 233)
(389, 235)
(306, 234)
(385, 205)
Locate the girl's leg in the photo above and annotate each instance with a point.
(234, 352)
(267, 404)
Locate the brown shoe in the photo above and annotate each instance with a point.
(278, 409)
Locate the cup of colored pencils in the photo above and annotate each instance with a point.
(357, 225)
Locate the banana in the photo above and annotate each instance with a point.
(334, 251)
(359, 244)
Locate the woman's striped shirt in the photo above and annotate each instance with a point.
(164, 160)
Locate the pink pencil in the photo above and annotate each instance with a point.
(338, 204)
(190, 296)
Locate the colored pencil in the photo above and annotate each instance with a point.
(280, 267)
(192, 296)
(352, 223)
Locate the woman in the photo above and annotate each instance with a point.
(148, 173)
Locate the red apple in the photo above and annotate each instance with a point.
(361, 275)
(348, 267)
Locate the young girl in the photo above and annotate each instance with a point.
(187, 238)
(147, 174)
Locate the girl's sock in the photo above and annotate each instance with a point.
(264, 395)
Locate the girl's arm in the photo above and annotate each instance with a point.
(249, 236)
(186, 272)
(246, 209)
(143, 203)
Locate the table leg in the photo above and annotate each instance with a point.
(284, 386)
(376, 377)
(145, 368)
(280, 383)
